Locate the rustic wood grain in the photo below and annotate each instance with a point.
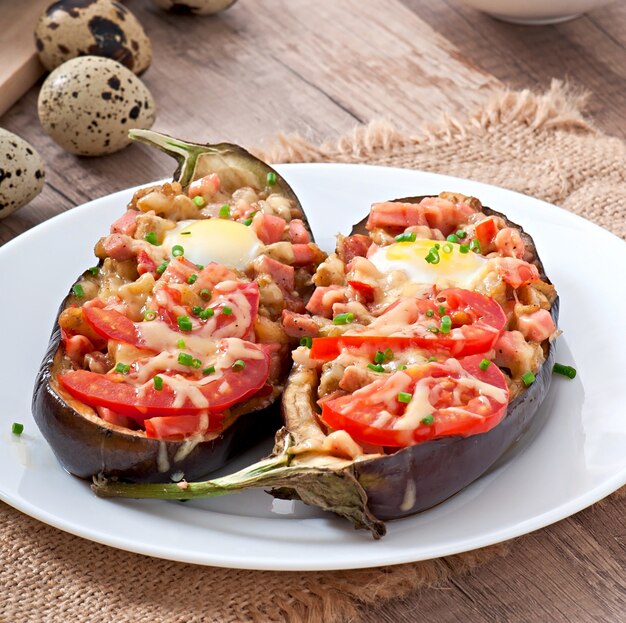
(318, 67)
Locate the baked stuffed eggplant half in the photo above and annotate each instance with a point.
(425, 354)
(168, 356)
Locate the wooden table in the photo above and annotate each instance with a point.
(318, 67)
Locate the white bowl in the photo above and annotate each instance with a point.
(535, 12)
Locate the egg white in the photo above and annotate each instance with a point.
(226, 242)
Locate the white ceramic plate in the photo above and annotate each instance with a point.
(575, 455)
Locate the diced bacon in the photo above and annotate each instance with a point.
(119, 247)
(76, 347)
(206, 186)
(299, 325)
(178, 271)
(126, 224)
(145, 264)
(537, 326)
(433, 212)
(323, 299)
(353, 246)
(298, 233)
(516, 354)
(212, 274)
(282, 274)
(268, 228)
(305, 254)
(509, 242)
(363, 277)
(516, 272)
(485, 231)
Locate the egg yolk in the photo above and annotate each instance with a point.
(217, 240)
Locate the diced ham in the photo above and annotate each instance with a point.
(76, 347)
(433, 212)
(145, 264)
(354, 377)
(363, 277)
(118, 247)
(126, 224)
(353, 246)
(516, 272)
(282, 274)
(516, 354)
(268, 228)
(206, 186)
(298, 233)
(323, 299)
(115, 418)
(509, 242)
(299, 325)
(537, 326)
(305, 254)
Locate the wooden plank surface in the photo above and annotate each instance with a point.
(318, 67)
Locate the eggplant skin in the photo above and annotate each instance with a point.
(419, 477)
(86, 446)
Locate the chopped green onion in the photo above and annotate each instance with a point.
(376, 367)
(433, 329)
(17, 428)
(271, 178)
(433, 256)
(404, 397)
(528, 378)
(196, 363)
(346, 318)
(402, 367)
(199, 266)
(484, 364)
(464, 248)
(306, 341)
(227, 311)
(379, 357)
(407, 236)
(181, 344)
(149, 315)
(428, 420)
(452, 238)
(185, 359)
(447, 248)
(151, 237)
(192, 279)
(430, 313)
(184, 324)
(568, 371)
(161, 267)
(206, 313)
(240, 364)
(437, 246)
(441, 310)
(122, 368)
(474, 245)
(388, 354)
(461, 234)
(248, 222)
(225, 211)
(185, 233)
(431, 359)
(177, 250)
(158, 383)
(209, 370)
(196, 310)
(205, 294)
(446, 324)
(94, 270)
(78, 291)
(199, 201)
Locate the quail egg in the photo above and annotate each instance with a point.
(21, 173)
(71, 28)
(88, 105)
(200, 7)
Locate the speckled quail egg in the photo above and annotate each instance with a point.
(200, 7)
(21, 173)
(71, 28)
(88, 105)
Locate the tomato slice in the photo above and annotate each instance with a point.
(477, 322)
(181, 426)
(141, 401)
(112, 325)
(454, 397)
(486, 231)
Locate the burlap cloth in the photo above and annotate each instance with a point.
(539, 145)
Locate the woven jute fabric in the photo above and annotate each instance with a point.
(540, 145)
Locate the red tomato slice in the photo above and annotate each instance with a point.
(113, 325)
(445, 391)
(477, 323)
(181, 426)
(119, 394)
(486, 231)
